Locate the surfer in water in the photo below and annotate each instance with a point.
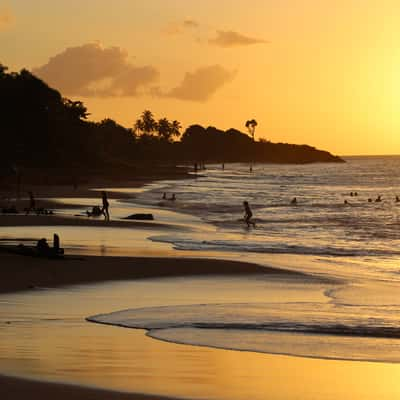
(248, 214)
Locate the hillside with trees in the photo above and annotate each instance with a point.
(42, 130)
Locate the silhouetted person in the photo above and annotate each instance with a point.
(32, 203)
(164, 196)
(355, 194)
(369, 200)
(248, 214)
(96, 211)
(378, 199)
(346, 202)
(195, 167)
(173, 197)
(397, 199)
(43, 247)
(57, 250)
(351, 194)
(223, 166)
(294, 201)
(106, 205)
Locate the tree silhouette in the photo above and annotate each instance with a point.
(251, 126)
(76, 109)
(146, 124)
(3, 70)
(176, 128)
(164, 129)
(41, 129)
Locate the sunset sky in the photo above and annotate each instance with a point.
(325, 73)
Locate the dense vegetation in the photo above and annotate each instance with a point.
(41, 129)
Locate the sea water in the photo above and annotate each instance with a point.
(351, 242)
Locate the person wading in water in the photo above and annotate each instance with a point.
(248, 214)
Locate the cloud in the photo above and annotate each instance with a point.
(91, 70)
(234, 39)
(177, 28)
(201, 84)
(6, 18)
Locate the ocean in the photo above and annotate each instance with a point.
(334, 232)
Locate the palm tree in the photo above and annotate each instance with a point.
(146, 123)
(251, 127)
(176, 128)
(164, 129)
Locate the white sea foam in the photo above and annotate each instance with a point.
(306, 329)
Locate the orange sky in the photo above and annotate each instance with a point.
(320, 72)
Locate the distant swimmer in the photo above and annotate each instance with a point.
(346, 202)
(293, 201)
(397, 199)
(173, 197)
(378, 199)
(248, 214)
(164, 196)
(369, 200)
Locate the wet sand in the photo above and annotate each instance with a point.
(56, 220)
(19, 272)
(22, 389)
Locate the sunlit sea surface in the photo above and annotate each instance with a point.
(337, 230)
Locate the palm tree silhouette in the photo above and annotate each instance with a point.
(251, 127)
(146, 124)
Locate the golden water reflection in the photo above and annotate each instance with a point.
(47, 337)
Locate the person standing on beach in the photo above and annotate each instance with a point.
(106, 205)
(248, 214)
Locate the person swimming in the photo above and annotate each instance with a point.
(294, 201)
(248, 214)
(378, 199)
